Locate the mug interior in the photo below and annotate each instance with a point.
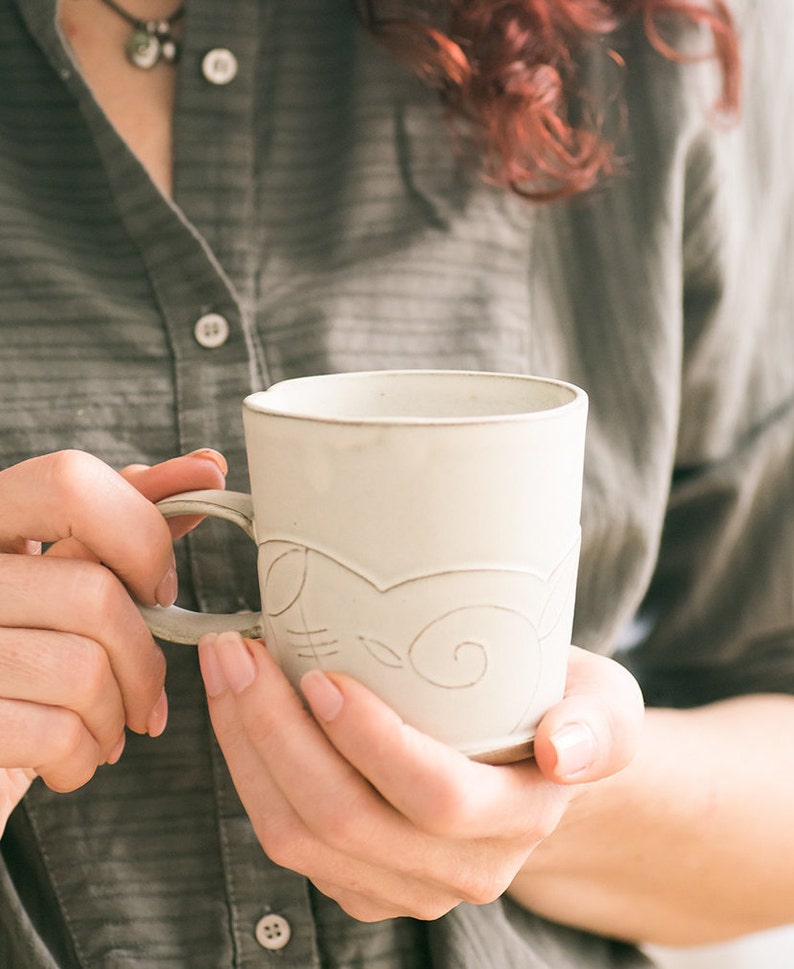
(415, 396)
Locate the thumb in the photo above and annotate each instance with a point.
(594, 730)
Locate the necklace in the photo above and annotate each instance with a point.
(151, 41)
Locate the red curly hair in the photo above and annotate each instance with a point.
(506, 70)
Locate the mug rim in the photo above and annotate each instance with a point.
(259, 402)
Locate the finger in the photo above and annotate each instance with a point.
(86, 599)
(361, 907)
(205, 468)
(70, 494)
(49, 740)
(62, 669)
(14, 784)
(71, 548)
(19, 546)
(371, 901)
(201, 469)
(364, 890)
(439, 789)
(335, 803)
(301, 761)
(594, 731)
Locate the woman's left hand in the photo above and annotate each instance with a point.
(382, 818)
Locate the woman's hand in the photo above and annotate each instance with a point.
(77, 663)
(382, 818)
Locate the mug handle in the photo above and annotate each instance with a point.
(176, 625)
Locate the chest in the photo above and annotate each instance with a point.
(138, 102)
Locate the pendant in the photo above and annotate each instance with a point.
(151, 43)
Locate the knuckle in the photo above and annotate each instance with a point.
(484, 888)
(63, 781)
(348, 827)
(70, 469)
(361, 910)
(68, 737)
(96, 592)
(431, 909)
(103, 588)
(340, 830)
(357, 906)
(360, 903)
(487, 872)
(284, 845)
(448, 812)
(71, 755)
(87, 671)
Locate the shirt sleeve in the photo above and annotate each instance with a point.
(718, 617)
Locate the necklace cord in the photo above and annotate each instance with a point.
(151, 41)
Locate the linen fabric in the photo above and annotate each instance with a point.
(320, 209)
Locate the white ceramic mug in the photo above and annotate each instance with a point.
(420, 531)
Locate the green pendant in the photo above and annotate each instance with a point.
(143, 49)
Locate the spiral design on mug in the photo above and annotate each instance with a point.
(457, 650)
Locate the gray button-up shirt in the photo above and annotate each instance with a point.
(321, 222)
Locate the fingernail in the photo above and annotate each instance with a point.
(322, 695)
(158, 717)
(115, 755)
(166, 592)
(212, 455)
(575, 746)
(226, 664)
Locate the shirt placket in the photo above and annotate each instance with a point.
(195, 268)
(270, 913)
(199, 261)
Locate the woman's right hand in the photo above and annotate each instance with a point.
(77, 663)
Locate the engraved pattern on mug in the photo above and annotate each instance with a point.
(445, 638)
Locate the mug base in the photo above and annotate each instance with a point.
(505, 755)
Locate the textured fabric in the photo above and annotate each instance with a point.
(319, 208)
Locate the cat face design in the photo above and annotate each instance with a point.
(437, 647)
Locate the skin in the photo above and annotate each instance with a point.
(390, 823)
(381, 817)
(77, 663)
(140, 103)
(691, 843)
(629, 826)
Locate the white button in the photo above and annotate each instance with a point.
(272, 932)
(211, 330)
(219, 66)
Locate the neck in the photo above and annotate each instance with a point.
(139, 103)
(152, 40)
